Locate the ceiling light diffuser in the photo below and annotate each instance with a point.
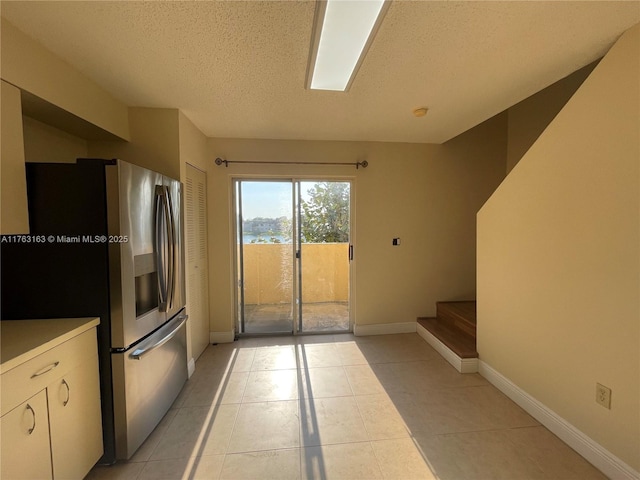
(343, 32)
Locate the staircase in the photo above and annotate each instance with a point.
(453, 333)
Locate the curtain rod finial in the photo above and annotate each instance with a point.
(220, 161)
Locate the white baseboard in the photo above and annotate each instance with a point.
(595, 453)
(222, 337)
(191, 367)
(462, 365)
(384, 329)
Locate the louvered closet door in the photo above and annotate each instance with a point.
(197, 263)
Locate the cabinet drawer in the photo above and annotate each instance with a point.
(36, 374)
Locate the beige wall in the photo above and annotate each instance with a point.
(559, 264)
(425, 194)
(154, 141)
(31, 67)
(44, 143)
(529, 118)
(192, 145)
(13, 183)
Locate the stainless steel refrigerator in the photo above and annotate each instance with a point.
(107, 241)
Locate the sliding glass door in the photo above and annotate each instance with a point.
(265, 256)
(293, 256)
(324, 216)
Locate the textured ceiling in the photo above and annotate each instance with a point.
(237, 69)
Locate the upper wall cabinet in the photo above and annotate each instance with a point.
(13, 200)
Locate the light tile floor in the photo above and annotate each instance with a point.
(344, 407)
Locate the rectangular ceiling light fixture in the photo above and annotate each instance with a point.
(343, 31)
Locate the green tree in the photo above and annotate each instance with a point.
(325, 216)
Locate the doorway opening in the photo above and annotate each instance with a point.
(293, 256)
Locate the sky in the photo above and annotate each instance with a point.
(266, 199)
(270, 199)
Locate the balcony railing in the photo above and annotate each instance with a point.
(268, 272)
(268, 284)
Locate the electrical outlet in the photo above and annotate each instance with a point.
(603, 396)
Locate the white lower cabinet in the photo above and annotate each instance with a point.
(75, 429)
(25, 441)
(57, 432)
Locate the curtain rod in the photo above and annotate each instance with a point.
(363, 164)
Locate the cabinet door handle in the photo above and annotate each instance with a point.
(30, 431)
(64, 382)
(46, 369)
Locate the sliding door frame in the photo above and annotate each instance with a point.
(237, 260)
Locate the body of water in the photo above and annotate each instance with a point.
(253, 238)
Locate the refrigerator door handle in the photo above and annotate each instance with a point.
(138, 353)
(160, 248)
(172, 240)
(168, 254)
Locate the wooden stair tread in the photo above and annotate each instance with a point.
(459, 341)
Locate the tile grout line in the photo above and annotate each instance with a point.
(369, 436)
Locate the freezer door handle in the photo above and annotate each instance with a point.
(138, 353)
(160, 247)
(171, 233)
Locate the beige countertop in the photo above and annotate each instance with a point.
(21, 340)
